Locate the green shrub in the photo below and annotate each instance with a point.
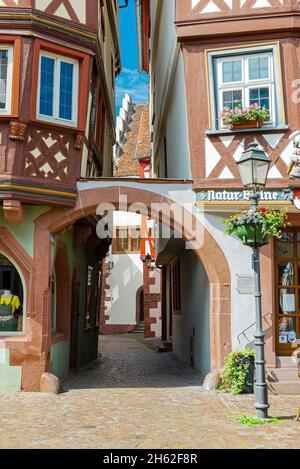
(234, 377)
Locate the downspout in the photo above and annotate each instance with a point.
(138, 7)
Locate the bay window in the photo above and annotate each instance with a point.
(244, 77)
(6, 71)
(58, 89)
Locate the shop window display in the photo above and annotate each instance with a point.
(11, 298)
(288, 291)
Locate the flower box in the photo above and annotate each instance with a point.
(247, 124)
(241, 117)
(252, 234)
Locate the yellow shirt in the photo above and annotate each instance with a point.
(15, 302)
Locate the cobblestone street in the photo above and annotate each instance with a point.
(135, 397)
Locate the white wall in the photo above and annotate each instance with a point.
(127, 219)
(239, 259)
(167, 89)
(195, 308)
(126, 278)
(178, 154)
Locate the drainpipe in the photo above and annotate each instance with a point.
(138, 7)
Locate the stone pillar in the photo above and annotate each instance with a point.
(152, 301)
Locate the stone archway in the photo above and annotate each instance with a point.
(210, 254)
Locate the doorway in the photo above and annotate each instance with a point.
(140, 315)
(75, 313)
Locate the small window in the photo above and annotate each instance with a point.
(58, 89)
(128, 240)
(6, 69)
(245, 77)
(246, 80)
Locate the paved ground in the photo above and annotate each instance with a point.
(135, 397)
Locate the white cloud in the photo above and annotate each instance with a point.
(133, 83)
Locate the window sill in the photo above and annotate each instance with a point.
(265, 128)
(13, 336)
(56, 125)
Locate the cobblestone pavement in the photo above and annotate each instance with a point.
(135, 397)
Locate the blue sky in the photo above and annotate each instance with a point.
(130, 81)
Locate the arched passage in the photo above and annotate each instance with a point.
(210, 254)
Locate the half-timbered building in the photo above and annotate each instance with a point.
(58, 62)
(204, 56)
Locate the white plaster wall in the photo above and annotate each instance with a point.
(168, 84)
(195, 300)
(165, 50)
(127, 219)
(239, 259)
(178, 154)
(126, 278)
(79, 6)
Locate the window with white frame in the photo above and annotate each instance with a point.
(6, 71)
(58, 89)
(245, 77)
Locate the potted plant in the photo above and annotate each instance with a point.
(255, 228)
(238, 374)
(244, 117)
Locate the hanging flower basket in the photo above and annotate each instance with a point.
(252, 235)
(255, 228)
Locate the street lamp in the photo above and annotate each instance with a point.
(253, 167)
(148, 260)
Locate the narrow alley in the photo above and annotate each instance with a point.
(136, 397)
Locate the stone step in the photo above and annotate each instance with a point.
(285, 362)
(282, 374)
(139, 329)
(285, 388)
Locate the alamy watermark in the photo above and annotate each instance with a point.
(173, 220)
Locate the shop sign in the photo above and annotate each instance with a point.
(240, 196)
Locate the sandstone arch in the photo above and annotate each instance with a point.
(210, 254)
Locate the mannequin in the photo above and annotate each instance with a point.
(7, 294)
(9, 303)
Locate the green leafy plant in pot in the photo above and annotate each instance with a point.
(255, 228)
